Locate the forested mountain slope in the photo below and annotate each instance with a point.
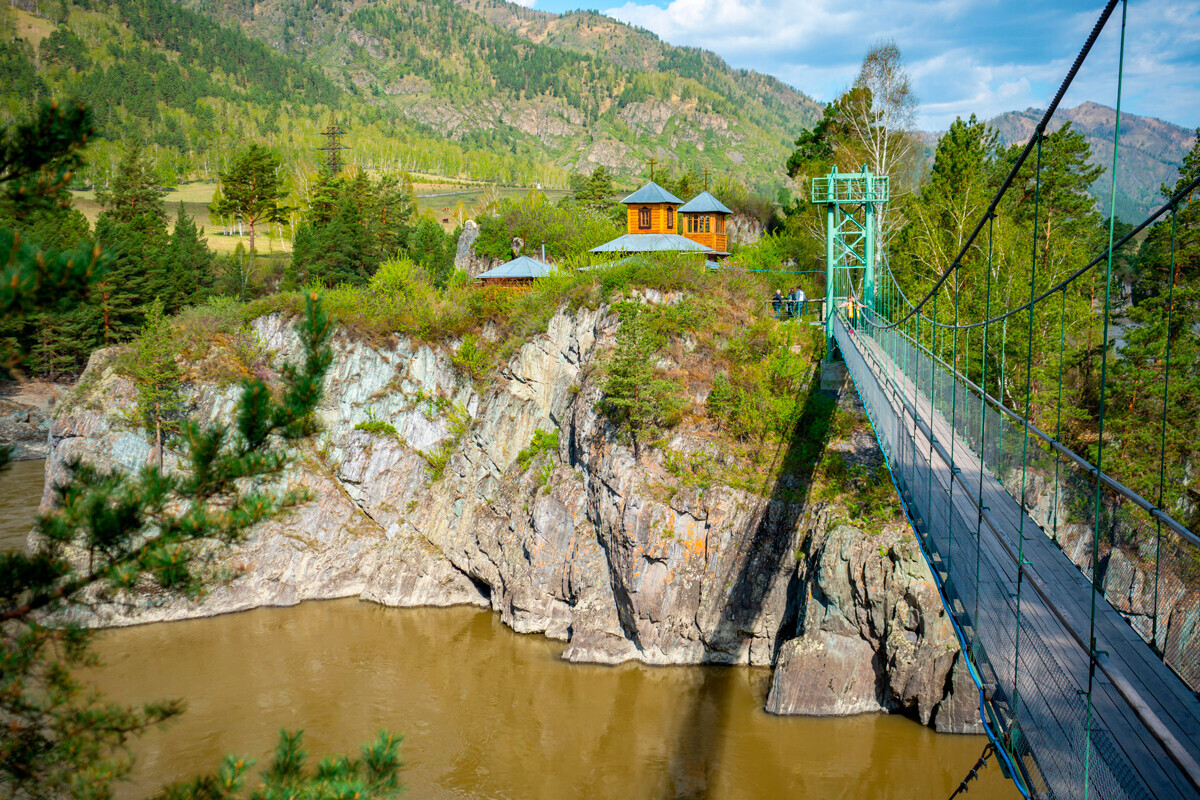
(575, 99)
(764, 99)
(1150, 155)
(194, 90)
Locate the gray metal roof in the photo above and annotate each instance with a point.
(651, 193)
(652, 243)
(704, 203)
(520, 267)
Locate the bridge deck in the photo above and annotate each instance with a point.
(1146, 724)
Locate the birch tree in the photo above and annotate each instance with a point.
(878, 119)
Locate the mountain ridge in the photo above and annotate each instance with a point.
(1151, 151)
(491, 74)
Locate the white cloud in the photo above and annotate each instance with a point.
(965, 56)
(525, 3)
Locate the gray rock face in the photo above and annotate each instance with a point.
(584, 545)
(25, 412)
(872, 634)
(465, 257)
(744, 229)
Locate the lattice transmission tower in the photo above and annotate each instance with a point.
(333, 145)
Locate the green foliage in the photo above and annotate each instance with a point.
(432, 248)
(471, 358)
(375, 775)
(863, 492)
(191, 266)
(49, 270)
(566, 229)
(458, 421)
(542, 442)
(594, 191)
(636, 399)
(755, 398)
(157, 378)
(377, 426)
(65, 48)
(354, 224)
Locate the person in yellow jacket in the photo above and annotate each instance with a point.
(852, 308)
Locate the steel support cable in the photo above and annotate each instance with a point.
(1170, 205)
(932, 399)
(1112, 221)
(974, 771)
(1162, 442)
(953, 438)
(1037, 134)
(1176, 750)
(1037, 202)
(1062, 338)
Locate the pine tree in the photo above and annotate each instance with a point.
(634, 397)
(133, 225)
(191, 264)
(252, 189)
(157, 377)
(373, 775)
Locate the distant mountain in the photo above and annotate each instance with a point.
(573, 90)
(1150, 151)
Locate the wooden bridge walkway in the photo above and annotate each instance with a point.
(1145, 730)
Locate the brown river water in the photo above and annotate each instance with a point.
(488, 713)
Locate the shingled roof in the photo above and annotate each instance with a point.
(704, 203)
(520, 267)
(651, 193)
(652, 243)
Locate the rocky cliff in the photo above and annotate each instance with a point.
(25, 411)
(582, 543)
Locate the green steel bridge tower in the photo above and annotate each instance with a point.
(850, 201)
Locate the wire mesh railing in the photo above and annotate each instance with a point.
(1038, 692)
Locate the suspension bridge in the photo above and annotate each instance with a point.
(1076, 599)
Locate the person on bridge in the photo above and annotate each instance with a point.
(777, 302)
(851, 307)
(798, 300)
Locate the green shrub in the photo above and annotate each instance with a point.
(378, 426)
(471, 358)
(565, 230)
(373, 424)
(542, 442)
(437, 460)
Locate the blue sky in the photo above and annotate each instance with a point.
(981, 56)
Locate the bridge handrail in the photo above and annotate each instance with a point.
(1176, 750)
(1150, 508)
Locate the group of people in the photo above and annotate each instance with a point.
(790, 304)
